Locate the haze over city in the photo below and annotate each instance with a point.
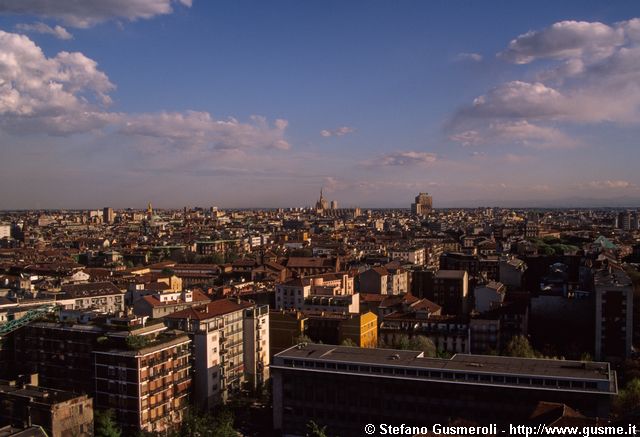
(260, 104)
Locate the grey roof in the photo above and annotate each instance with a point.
(460, 362)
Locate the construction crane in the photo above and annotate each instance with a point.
(28, 317)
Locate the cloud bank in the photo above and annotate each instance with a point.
(594, 78)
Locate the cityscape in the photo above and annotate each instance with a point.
(319, 219)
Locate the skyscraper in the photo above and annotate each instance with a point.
(107, 215)
(423, 204)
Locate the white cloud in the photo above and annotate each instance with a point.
(609, 184)
(57, 31)
(408, 158)
(343, 130)
(86, 13)
(563, 40)
(474, 57)
(519, 132)
(200, 131)
(594, 77)
(60, 94)
(68, 94)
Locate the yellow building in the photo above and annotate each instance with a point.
(285, 327)
(361, 329)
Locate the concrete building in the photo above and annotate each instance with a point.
(489, 295)
(107, 215)
(59, 413)
(256, 346)
(327, 292)
(353, 387)
(423, 204)
(148, 383)
(413, 255)
(511, 271)
(451, 291)
(159, 304)
(140, 370)
(101, 296)
(613, 314)
(285, 329)
(225, 332)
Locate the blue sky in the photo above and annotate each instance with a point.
(260, 103)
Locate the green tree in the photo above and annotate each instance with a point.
(401, 342)
(628, 400)
(136, 341)
(302, 338)
(196, 423)
(348, 342)
(316, 430)
(519, 346)
(223, 424)
(105, 424)
(423, 344)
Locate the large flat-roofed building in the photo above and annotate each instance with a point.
(346, 388)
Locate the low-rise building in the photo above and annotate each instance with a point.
(404, 387)
(60, 413)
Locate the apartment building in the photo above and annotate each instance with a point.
(102, 296)
(413, 255)
(613, 314)
(126, 364)
(148, 383)
(332, 292)
(451, 291)
(256, 346)
(230, 347)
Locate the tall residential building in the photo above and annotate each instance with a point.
(230, 347)
(423, 204)
(140, 370)
(107, 215)
(613, 314)
(148, 383)
(450, 291)
(353, 387)
(5, 231)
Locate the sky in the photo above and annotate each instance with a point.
(239, 103)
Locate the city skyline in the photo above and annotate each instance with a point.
(248, 104)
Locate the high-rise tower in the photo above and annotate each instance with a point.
(423, 204)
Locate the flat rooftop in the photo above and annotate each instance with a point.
(459, 362)
(36, 394)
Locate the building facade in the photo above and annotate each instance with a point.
(404, 387)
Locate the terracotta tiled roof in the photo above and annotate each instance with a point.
(213, 309)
